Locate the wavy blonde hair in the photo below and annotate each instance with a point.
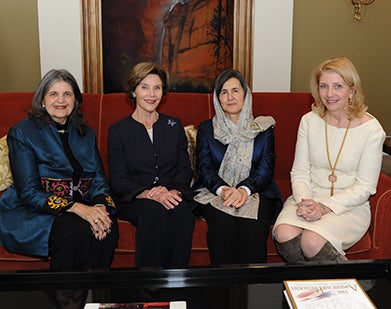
(346, 69)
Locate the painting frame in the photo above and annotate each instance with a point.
(92, 55)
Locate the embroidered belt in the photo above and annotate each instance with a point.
(66, 187)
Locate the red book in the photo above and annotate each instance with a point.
(151, 305)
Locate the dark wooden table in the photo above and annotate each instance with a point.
(228, 287)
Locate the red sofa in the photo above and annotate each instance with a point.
(192, 108)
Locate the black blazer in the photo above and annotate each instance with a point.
(136, 164)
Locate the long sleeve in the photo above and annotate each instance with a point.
(300, 173)
(124, 186)
(262, 168)
(45, 184)
(136, 163)
(367, 175)
(43, 174)
(210, 153)
(26, 172)
(357, 170)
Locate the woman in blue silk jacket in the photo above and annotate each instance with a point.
(150, 173)
(59, 204)
(235, 161)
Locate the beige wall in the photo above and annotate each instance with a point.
(19, 52)
(322, 29)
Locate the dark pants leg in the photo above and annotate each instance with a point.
(222, 236)
(252, 244)
(233, 240)
(163, 237)
(73, 246)
(255, 234)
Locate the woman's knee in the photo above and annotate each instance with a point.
(182, 217)
(286, 232)
(311, 243)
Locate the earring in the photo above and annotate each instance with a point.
(134, 95)
(43, 104)
(350, 101)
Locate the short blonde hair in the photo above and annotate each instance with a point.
(346, 69)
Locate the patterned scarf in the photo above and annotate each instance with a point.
(236, 164)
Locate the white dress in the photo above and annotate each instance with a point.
(357, 174)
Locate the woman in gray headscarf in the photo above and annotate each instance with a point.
(235, 162)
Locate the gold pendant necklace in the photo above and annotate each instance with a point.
(332, 176)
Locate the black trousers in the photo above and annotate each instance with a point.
(72, 245)
(234, 240)
(163, 237)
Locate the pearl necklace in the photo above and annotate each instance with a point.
(332, 176)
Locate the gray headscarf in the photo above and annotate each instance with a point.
(236, 164)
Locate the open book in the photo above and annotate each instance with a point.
(328, 293)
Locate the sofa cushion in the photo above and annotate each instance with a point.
(190, 108)
(14, 261)
(5, 170)
(191, 134)
(91, 108)
(14, 107)
(114, 107)
(287, 110)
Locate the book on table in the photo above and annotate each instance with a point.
(327, 293)
(151, 305)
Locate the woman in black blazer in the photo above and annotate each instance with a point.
(150, 173)
(235, 162)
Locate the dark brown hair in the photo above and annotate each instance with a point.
(140, 71)
(226, 75)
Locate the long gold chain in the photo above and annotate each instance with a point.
(332, 176)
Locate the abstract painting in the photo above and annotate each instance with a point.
(191, 39)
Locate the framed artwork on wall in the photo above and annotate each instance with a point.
(192, 40)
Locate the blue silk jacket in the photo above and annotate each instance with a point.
(43, 183)
(210, 153)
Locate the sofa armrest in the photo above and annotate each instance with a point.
(381, 213)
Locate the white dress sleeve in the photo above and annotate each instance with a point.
(357, 170)
(300, 173)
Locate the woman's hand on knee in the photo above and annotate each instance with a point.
(156, 191)
(97, 217)
(170, 199)
(233, 197)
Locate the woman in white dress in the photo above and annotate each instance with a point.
(335, 170)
